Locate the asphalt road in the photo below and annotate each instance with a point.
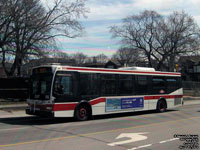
(130, 131)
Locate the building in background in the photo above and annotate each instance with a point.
(108, 64)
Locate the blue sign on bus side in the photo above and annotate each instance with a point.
(114, 104)
(136, 102)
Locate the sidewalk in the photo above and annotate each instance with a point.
(191, 102)
(11, 114)
(190, 98)
(11, 107)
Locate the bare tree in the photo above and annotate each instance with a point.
(60, 54)
(158, 38)
(79, 58)
(127, 56)
(29, 29)
(183, 37)
(101, 58)
(137, 32)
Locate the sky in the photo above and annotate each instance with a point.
(105, 13)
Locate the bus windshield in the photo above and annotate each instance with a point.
(41, 87)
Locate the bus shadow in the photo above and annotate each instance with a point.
(128, 114)
(32, 120)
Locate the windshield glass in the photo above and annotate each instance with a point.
(41, 87)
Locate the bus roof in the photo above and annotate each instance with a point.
(119, 71)
(127, 70)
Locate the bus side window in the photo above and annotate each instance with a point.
(141, 84)
(89, 84)
(173, 84)
(125, 84)
(108, 84)
(159, 85)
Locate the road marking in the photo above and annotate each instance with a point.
(133, 138)
(148, 145)
(96, 133)
(169, 140)
(143, 146)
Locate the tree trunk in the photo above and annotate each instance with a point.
(172, 63)
(19, 67)
(10, 72)
(149, 61)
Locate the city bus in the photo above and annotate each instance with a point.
(82, 92)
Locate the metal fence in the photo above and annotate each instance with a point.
(16, 88)
(191, 88)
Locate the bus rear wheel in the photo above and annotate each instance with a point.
(82, 113)
(161, 106)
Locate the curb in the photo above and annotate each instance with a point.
(191, 98)
(13, 107)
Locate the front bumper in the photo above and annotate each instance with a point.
(42, 113)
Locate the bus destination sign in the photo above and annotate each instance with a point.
(42, 70)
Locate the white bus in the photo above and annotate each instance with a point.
(81, 92)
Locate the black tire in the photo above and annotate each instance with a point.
(82, 113)
(161, 106)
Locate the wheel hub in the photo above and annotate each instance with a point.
(82, 112)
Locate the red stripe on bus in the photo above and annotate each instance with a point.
(162, 96)
(100, 100)
(96, 101)
(62, 107)
(72, 106)
(120, 71)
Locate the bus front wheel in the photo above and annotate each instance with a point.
(161, 106)
(82, 113)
